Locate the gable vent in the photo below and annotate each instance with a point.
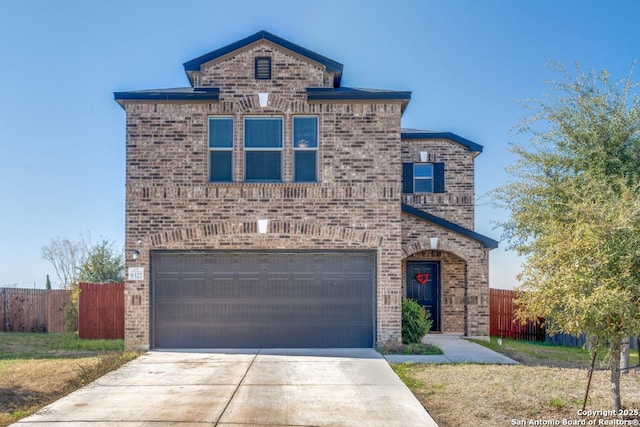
(263, 68)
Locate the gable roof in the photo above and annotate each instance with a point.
(430, 134)
(486, 241)
(330, 64)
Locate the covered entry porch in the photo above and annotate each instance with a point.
(446, 268)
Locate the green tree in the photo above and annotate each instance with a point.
(575, 212)
(104, 264)
(47, 284)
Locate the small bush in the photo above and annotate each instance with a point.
(416, 321)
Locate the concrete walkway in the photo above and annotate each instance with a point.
(341, 387)
(456, 350)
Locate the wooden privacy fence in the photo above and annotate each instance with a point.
(33, 310)
(502, 321)
(101, 311)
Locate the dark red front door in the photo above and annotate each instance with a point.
(423, 285)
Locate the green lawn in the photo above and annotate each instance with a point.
(407, 349)
(28, 345)
(541, 353)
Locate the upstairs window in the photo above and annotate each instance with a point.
(423, 178)
(263, 68)
(220, 149)
(263, 149)
(305, 149)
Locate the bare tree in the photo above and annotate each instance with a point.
(67, 258)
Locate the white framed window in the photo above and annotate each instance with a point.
(305, 149)
(263, 149)
(423, 177)
(220, 149)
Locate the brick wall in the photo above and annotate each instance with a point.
(464, 262)
(457, 203)
(355, 204)
(464, 274)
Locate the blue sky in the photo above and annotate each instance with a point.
(467, 63)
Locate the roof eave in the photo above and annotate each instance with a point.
(470, 145)
(330, 65)
(199, 94)
(487, 242)
(346, 94)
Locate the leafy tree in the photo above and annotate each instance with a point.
(47, 284)
(575, 212)
(104, 264)
(80, 261)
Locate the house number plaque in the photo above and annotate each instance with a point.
(136, 273)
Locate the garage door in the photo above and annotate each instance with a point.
(263, 299)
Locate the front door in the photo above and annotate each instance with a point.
(423, 285)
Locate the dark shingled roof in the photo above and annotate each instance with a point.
(178, 94)
(430, 134)
(330, 64)
(486, 241)
(348, 93)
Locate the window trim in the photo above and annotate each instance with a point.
(297, 149)
(439, 179)
(262, 149)
(219, 149)
(431, 178)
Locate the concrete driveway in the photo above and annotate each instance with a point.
(234, 388)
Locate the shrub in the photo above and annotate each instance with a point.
(416, 321)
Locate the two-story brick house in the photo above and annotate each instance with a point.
(268, 206)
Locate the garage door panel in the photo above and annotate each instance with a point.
(235, 336)
(267, 299)
(252, 311)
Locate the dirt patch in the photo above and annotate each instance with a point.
(25, 384)
(495, 395)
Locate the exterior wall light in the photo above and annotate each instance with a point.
(424, 155)
(135, 254)
(263, 224)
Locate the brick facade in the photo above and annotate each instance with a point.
(465, 274)
(354, 205)
(457, 204)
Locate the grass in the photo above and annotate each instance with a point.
(549, 384)
(548, 354)
(408, 349)
(37, 369)
(26, 345)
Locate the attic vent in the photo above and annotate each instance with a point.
(263, 68)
